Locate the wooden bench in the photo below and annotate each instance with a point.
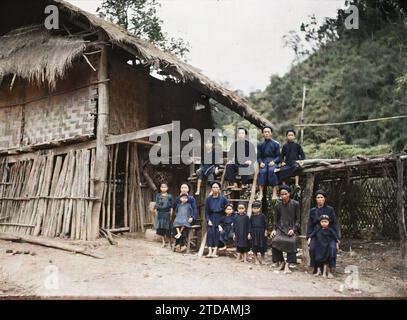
(193, 237)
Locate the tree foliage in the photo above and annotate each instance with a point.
(351, 75)
(140, 17)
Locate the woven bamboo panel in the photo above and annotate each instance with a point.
(128, 99)
(59, 117)
(10, 127)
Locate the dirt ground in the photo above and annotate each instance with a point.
(137, 268)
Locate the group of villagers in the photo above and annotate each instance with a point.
(229, 225)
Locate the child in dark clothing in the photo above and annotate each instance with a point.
(258, 232)
(292, 156)
(325, 250)
(183, 215)
(241, 232)
(226, 226)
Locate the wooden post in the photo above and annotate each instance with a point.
(101, 132)
(400, 211)
(304, 90)
(306, 200)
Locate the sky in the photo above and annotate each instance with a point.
(238, 42)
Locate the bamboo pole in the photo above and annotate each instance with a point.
(306, 206)
(401, 211)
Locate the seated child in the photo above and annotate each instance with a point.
(208, 168)
(324, 254)
(183, 215)
(241, 234)
(258, 232)
(292, 156)
(226, 226)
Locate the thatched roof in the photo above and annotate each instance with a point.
(33, 53)
(143, 50)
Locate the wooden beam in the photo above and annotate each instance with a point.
(136, 135)
(400, 211)
(101, 133)
(306, 199)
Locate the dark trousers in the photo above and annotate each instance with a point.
(182, 241)
(232, 170)
(277, 256)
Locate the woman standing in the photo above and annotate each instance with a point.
(313, 224)
(214, 208)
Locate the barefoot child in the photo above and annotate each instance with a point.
(241, 235)
(164, 212)
(325, 250)
(292, 156)
(226, 226)
(183, 215)
(258, 232)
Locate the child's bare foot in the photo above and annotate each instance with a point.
(287, 268)
(318, 273)
(330, 275)
(282, 266)
(163, 245)
(177, 236)
(297, 187)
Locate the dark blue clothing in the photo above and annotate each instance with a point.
(313, 220)
(241, 229)
(312, 228)
(227, 224)
(323, 249)
(214, 211)
(163, 204)
(290, 153)
(183, 213)
(258, 227)
(267, 151)
(208, 165)
(191, 201)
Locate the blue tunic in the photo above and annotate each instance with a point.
(241, 229)
(163, 204)
(324, 246)
(258, 226)
(182, 214)
(314, 224)
(191, 201)
(227, 224)
(267, 151)
(214, 209)
(290, 153)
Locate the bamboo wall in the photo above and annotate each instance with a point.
(32, 115)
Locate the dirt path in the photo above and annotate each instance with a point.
(138, 268)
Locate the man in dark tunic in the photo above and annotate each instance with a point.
(268, 157)
(286, 228)
(292, 157)
(242, 154)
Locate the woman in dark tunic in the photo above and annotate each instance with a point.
(291, 157)
(241, 232)
(181, 241)
(286, 228)
(325, 240)
(226, 226)
(164, 210)
(258, 232)
(214, 208)
(314, 222)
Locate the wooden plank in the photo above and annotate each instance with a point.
(131, 136)
(306, 199)
(401, 212)
(101, 133)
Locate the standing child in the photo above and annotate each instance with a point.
(226, 226)
(164, 211)
(183, 215)
(292, 156)
(324, 254)
(241, 235)
(258, 232)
